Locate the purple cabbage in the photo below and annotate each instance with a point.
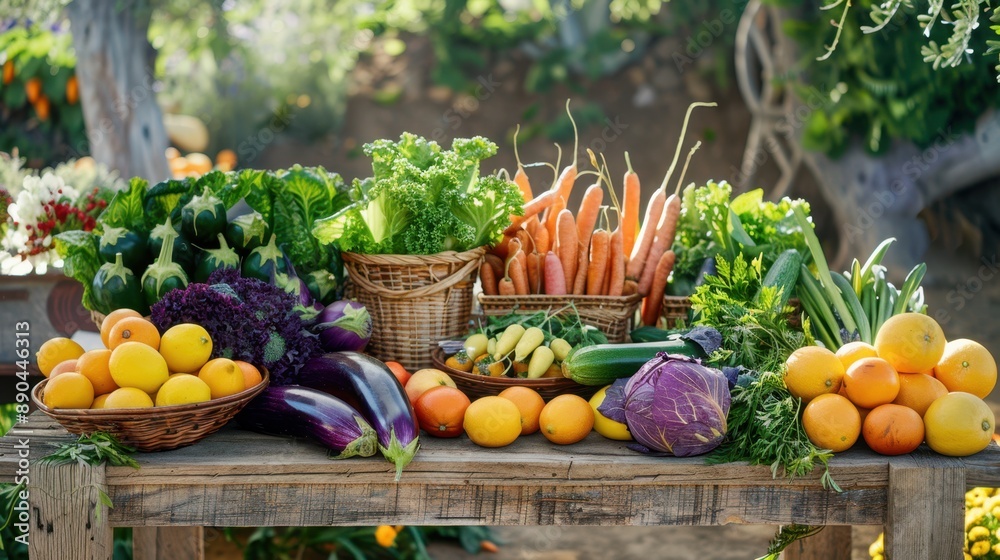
(344, 326)
(672, 406)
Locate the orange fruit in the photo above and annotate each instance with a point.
(63, 367)
(251, 375)
(8, 71)
(43, 107)
(910, 342)
(72, 90)
(871, 382)
(529, 403)
(893, 429)
(967, 366)
(111, 319)
(492, 422)
(959, 424)
(566, 419)
(54, 351)
(68, 390)
(99, 401)
(94, 365)
(134, 329)
(399, 371)
(441, 411)
(33, 89)
(854, 351)
(812, 371)
(918, 391)
(223, 376)
(831, 422)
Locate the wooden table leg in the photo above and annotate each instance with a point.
(68, 520)
(832, 543)
(926, 513)
(168, 543)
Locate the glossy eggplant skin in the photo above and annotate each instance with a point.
(369, 385)
(302, 412)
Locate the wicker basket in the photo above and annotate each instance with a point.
(157, 428)
(677, 309)
(612, 314)
(414, 300)
(475, 385)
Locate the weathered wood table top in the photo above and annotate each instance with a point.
(239, 478)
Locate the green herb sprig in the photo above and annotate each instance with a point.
(93, 449)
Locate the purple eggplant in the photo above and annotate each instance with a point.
(303, 412)
(369, 385)
(343, 325)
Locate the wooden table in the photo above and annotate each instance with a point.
(237, 478)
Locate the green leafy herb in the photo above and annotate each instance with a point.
(753, 322)
(93, 449)
(764, 429)
(786, 535)
(423, 200)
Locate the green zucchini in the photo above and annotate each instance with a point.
(601, 364)
(784, 274)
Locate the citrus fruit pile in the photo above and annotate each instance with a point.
(911, 386)
(443, 410)
(139, 368)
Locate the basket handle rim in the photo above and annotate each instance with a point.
(430, 289)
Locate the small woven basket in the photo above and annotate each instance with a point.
(157, 428)
(414, 300)
(677, 309)
(475, 385)
(612, 314)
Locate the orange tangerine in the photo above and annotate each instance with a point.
(134, 329)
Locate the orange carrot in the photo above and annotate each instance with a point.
(568, 176)
(580, 281)
(534, 272)
(517, 274)
(599, 249)
(616, 285)
(543, 202)
(586, 216)
(654, 301)
(488, 546)
(630, 208)
(496, 263)
(567, 245)
(520, 177)
(552, 216)
(630, 287)
(641, 248)
(531, 226)
(506, 287)
(527, 243)
(555, 280)
(488, 279)
(542, 240)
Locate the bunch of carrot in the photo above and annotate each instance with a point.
(550, 250)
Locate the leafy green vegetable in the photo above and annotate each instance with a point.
(753, 322)
(81, 260)
(423, 200)
(126, 209)
(764, 429)
(710, 224)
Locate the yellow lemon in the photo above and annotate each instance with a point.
(186, 347)
(967, 366)
(54, 351)
(183, 389)
(492, 422)
(223, 376)
(128, 397)
(911, 342)
(68, 390)
(138, 365)
(604, 425)
(99, 401)
(854, 351)
(958, 424)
